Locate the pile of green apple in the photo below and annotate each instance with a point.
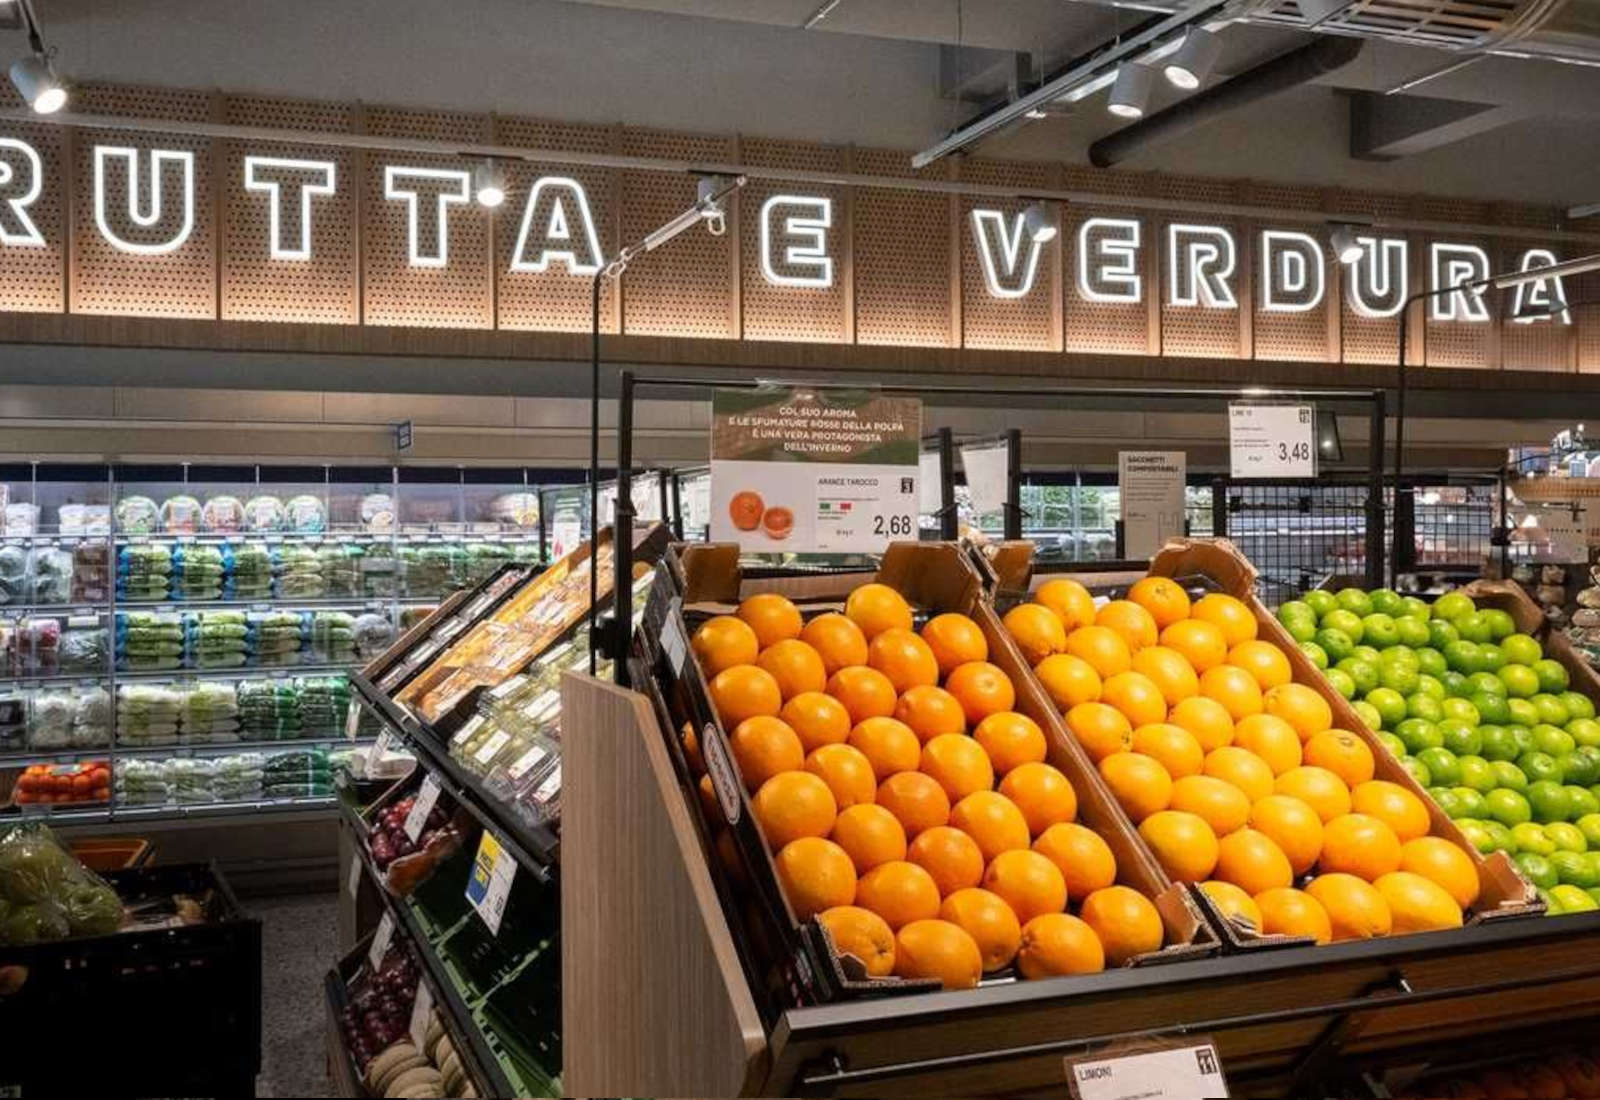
(1480, 716)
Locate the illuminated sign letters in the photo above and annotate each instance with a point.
(803, 239)
(1200, 261)
(21, 180)
(1011, 274)
(1379, 282)
(1108, 260)
(548, 232)
(1453, 265)
(155, 218)
(1291, 272)
(290, 224)
(427, 234)
(1544, 298)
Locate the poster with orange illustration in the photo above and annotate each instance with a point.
(813, 470)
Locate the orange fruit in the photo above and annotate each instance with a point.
(1253, 862)
(1168, 670)
(1139, 783)
(938, 949)
(815, 874)
(1028, 882)
(1293, 826)
(1101, 729)
(1010, 739)
(916, 801)
(899, 892)
(1068, 680)
(988, 920)
(904, 658)
(1240, 767)
(993, 821)
(950, 856)
(1124, 921)
(1318, 788)
(1036, 630)
(1270, 738)
(847, 772)
(1302, 707)
(1236, 621)
(1083, 858)
(744, 691)
(1417, 904)
(1057, 944)
(795, 666)
(981, 688)
(1202, 644)
(1182, 842)
(1220, 805)
(1069, 600)
(1104, 649)
(1163, 597)
(1135, 696)
(1440, 862)
(1234, 688)
(876, 608)
(817, 719)
(1233, 903)
(1360, 845)
(1174, 746)
(955, 640)
(723, 642)
(1290, 912)
(762, 747)
(1135, 624)
(865, 692)
(870, 835)
(1207, 719)
(889, 746)
(862, 933)
(958, 764)
(1393, 805)
(1356, 910)
(1042, 793)
(837, 640)
(1343, 753)
(708, 799)
(771, 616)
(792, 805)
(1264, 661)
(930, 711)
(691, 750)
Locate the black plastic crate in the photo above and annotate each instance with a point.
(167, 1012)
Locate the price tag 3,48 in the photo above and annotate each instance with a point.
(489, 886)
(1173, 1073)
(1267, 440)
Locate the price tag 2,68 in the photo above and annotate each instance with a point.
(489, 886)
(1191, 1072)
(380, 942)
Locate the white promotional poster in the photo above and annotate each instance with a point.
(986, 469)
(1151, 491)
(800, 470)
(1267, 440)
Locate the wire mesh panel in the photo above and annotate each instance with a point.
(1298, 533)
(1453, 524)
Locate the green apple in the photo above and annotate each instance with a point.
(1386, 601)
(1578, 771)
(1399, 677)
(1367, 713)
(1425, 707)
(1498, 743)
(1477, 835)
(1448, 801)
(1549, 800)
(1452, 606)
(1571, 899)
(1474, 627)
(1320, 600)
(1379, 630)
(1536, 868)
(1363, 674)
(1552, 675)
(1341, 681)
(1583, 802)
(1585, 731)
(1574, 869)
(1521, 649)
(1417, 734)
(1462, 710)
(1566, 836)
(1540, 767)
(1413, 608)
(1441, 634)
(1491, 658)
(1455, 684)
(1395, 746)
(1550, 708)
(1507, 807)
(1531, 838)
(1500, 836)
(1523, 713)
(1522, 736)
(1492, 707)
(1508, 776)
(1477, 773)
(1367, 653)
(1301, 630)
(1469, 802)
(1295, 609)
(1431, 662)
(1501, 624)
(1441, 765)
(1462, 657)
(1315, 654)
(1390, 704)
(1413, 632)
(1553, 740)
(1520, 680)
(1460, 738)
(1590, 824)
(1432, 685)
(1355, 601)
(1346, 622)
(1335, 643)
(1578, 704)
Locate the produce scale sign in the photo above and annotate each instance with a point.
(802, 470)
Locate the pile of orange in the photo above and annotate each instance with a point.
(1232, 772)
(911, 809)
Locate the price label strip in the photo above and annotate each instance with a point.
(1191, 1072)
(421, 1009)
(380, 942)
(1272, 440)
(489, 886)
(353, 883)
(427, 796)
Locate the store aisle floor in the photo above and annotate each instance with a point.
(299, 941)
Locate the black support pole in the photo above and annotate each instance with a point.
(594, 462)
(947, 485)
(1013, 516)
(622, 535)
(1399, 436)
(677, 506)
(1377, 426)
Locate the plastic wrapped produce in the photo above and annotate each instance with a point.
(180, 515)
(144, 572)
(141, 782)
(515, 509)
(323, 702)
(377, 512)
(91, 718)
(222, 515)
(300, 574)
(33, 647)
(22, 518)
(149, 641)
(372, 633)
(380, 572)
(264, 513)
(13, 573)
(85, 519)
(50, 724)
(210, 714)
(91, 572)
(333, 637)
(201, 571)
(13, 721)
(50, 575)
(341, 568)
(279, 636)
(432, 569)
(254, 567)
(301, 773)
(269, 710)
(147, 714)
(237, 778)
(85, 645)
(218, 639)
(137, 515)
(47, 894)
(306, 514)
(483, 558)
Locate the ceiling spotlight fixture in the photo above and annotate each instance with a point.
(489, 184)
(1194, 60)
(1345, 244)
(1130, 95)
(1039, 221)
(35, 76)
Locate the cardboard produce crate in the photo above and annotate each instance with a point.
(1510, 597)
(934, 578)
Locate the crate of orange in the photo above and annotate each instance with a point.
(870, 761)
(85, 781)
(1246, 774)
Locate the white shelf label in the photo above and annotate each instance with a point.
(489, 886)
(496, 742)
(352, 720)
(353, 883)
(1272, 440)
(376, 753)
(421, 1009)
(1182, 1073)
(422, 807)
(380, 942)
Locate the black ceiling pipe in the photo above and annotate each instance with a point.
(1290, 70)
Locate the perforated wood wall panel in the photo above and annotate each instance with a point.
(33, 277)
(1365, 339)
(1545, 344)
(1586, 320)
(1099, 325)
(1187, 331)
(396, 291)
(105, 279)
(1455, 343)
(782, 311)
(901, 252)
(556, 299)
(324, 287)
(686, 288)
(1299, 335)
(1031, 322)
